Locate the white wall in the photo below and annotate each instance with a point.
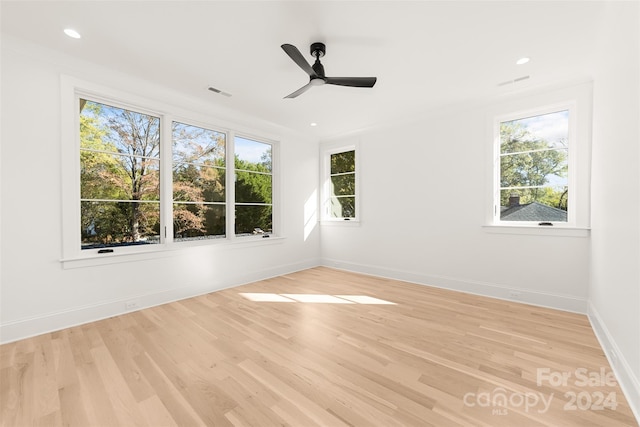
(614, 292)
(426, 188)
(37, 294)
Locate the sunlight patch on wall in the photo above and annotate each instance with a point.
(314, 298)
(310, 214)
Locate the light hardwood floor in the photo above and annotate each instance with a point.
(434, 357)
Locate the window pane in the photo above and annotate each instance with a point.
(343, 162)
(192, 144)
(549, 167)
(253, 187)
(252, 155)
(546, 204)
(535, 133)
(343, 185)
(119, 160)
(195, 221)
(107, 128)
(343, 207)
(193, 183)
(253, 220)
(109, 176)
(105, 224)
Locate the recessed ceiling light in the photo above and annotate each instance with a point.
(314, 124)
(522, 61)
(72, 33)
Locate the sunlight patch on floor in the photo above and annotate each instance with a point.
(314, 298)
(263, 297)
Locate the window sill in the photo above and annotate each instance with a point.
(537, 230)
(341, 222)
(163, 251)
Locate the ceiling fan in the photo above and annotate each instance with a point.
(316, 72)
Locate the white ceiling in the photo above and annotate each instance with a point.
(426, 54)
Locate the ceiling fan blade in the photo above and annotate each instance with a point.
(352, 81)
(297, 57)
(302, 90)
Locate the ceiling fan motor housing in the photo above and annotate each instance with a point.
(318, 49)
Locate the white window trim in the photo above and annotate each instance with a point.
(578, 100)
(275, 184)
(72, 254)
(571, 213)
(326, 150)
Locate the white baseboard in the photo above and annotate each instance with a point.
(629, 383)
(542, 299)
(50, 322)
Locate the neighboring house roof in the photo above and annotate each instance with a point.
(533, 211)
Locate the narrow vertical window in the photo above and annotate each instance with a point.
(198, 182)
(342, 203)
(119, 176)
(533, 179)
(253, 187)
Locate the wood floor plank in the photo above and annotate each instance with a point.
(121, 395)
(426, 357)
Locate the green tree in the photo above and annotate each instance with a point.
(343, 183)
(119, 162)
(198, 179)
(137, 137)
(528, 161)
(253, 185)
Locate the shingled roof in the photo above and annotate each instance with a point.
(533, 211)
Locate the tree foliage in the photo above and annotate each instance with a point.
(198, 181)
(343, 183)
(120, 180)
(119, 173)
(254, 186)
(527, 161)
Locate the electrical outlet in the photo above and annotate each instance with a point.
(131, 305)
(515, 294)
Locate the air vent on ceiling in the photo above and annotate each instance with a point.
(510, 82)
(213, 89)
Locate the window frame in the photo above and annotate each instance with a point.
(569, 106)
(73, 256)
(325, 206)
(206, 126)
(231, 158)
(576, 97)
(140, 110)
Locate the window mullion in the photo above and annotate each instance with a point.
(515, 153)
(230, 186)
(166, 180)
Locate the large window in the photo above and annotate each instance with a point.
(539, 175)
(340, 184)
(144, 180)
(119, 176)
(253, 187)
(198, 182)
(533, 175)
